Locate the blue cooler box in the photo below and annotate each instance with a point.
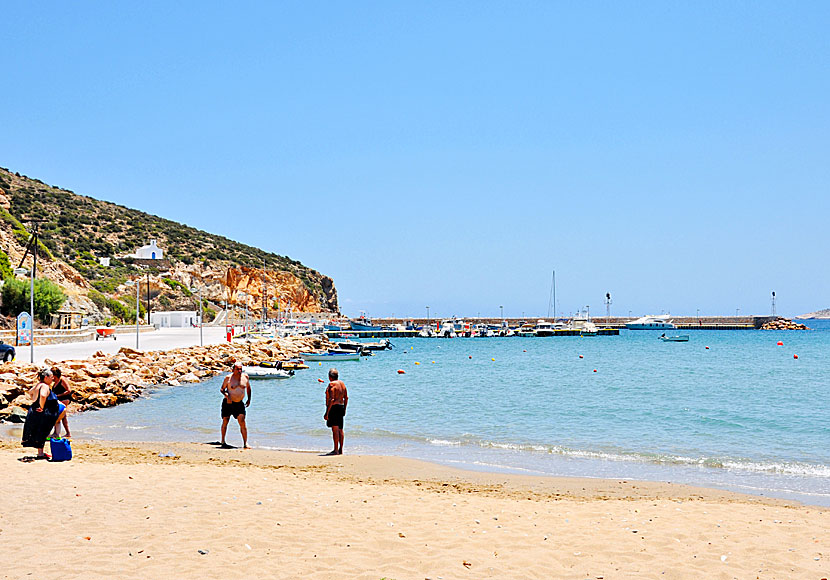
(61, 449)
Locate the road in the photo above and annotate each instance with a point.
(162, 339)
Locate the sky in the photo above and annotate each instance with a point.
(453, 154)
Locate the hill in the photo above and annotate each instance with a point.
(79, 230)
(817, 314)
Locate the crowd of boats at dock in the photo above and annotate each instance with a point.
(450, 328)
(347, 349)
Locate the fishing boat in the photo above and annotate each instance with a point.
(330, 356)
(675, 338)
(259, 373)
(651, 323)
(363, 323)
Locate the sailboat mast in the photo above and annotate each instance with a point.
(552, 295)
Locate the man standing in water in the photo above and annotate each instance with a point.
(233, 389)
(336, 400)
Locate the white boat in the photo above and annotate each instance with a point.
(661, 322)
(329, 356)
(267, 373)
(675, 338)
(543, 328)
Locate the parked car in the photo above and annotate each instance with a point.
(6, 352)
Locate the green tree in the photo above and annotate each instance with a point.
(16, 298)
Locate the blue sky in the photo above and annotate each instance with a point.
(453, 154)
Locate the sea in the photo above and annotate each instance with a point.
(729, 409)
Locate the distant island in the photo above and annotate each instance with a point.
(817, 314)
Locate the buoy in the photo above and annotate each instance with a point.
(471, 356)
(401, 372)
(319, 380)
(411, 347)
(780, 343)
(595, 370)
(795, 356)
(492, 359)
(433, 362)
(417, 363)
(707, 348)
(524, 351)
(580, 356)
(319, 364)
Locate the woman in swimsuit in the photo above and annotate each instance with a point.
(63, 391)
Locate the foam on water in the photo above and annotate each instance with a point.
(743, 414)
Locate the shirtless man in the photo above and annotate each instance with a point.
(233, 389)
(336, 400)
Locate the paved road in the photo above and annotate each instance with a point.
(162, 339)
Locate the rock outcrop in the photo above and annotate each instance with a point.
(783, 324)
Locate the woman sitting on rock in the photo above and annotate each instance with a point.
(43, 415)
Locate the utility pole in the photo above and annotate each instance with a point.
(33, 242)
(773, 303)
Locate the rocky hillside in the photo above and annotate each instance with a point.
(79, 230)
(817, 314)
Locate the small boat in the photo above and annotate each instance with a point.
(651, 323)
(107, 332)
(543, 328)
(330, 356)
(267, 373)
(382, 344)
(675, 338)
(294, 364)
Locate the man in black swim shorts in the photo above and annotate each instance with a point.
(336, 400)
(234, 388)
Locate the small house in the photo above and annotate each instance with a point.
(175, 319)
(150, 252)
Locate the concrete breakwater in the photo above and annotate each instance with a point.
(105, 380)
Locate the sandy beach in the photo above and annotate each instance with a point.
(121, 510)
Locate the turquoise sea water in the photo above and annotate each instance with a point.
(743, 414)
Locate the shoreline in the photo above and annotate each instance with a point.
(124, 510)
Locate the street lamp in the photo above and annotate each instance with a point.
(427, 316)
(136, 284)
(201, 339)
(502, 312)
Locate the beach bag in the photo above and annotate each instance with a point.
(61, 449)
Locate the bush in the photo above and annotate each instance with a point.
(16, 298)
(5, 266)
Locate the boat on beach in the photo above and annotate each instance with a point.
(651, 323)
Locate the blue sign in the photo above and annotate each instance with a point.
(24, 329)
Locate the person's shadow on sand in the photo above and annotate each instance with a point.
(219, 445)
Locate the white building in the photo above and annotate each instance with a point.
(175, 319)
(150, 252)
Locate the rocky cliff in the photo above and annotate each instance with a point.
(80, 230)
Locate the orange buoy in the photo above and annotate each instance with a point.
(319, 380)
(707, 348)
(580, 356)
(595, 370)
(524, 351)
(780, 343)
(417, 363)
(795, 356)
(401, 372)
(471, 356)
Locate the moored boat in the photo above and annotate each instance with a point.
(330, 356)
(675, 338)
(267, 373)
(651, 323)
